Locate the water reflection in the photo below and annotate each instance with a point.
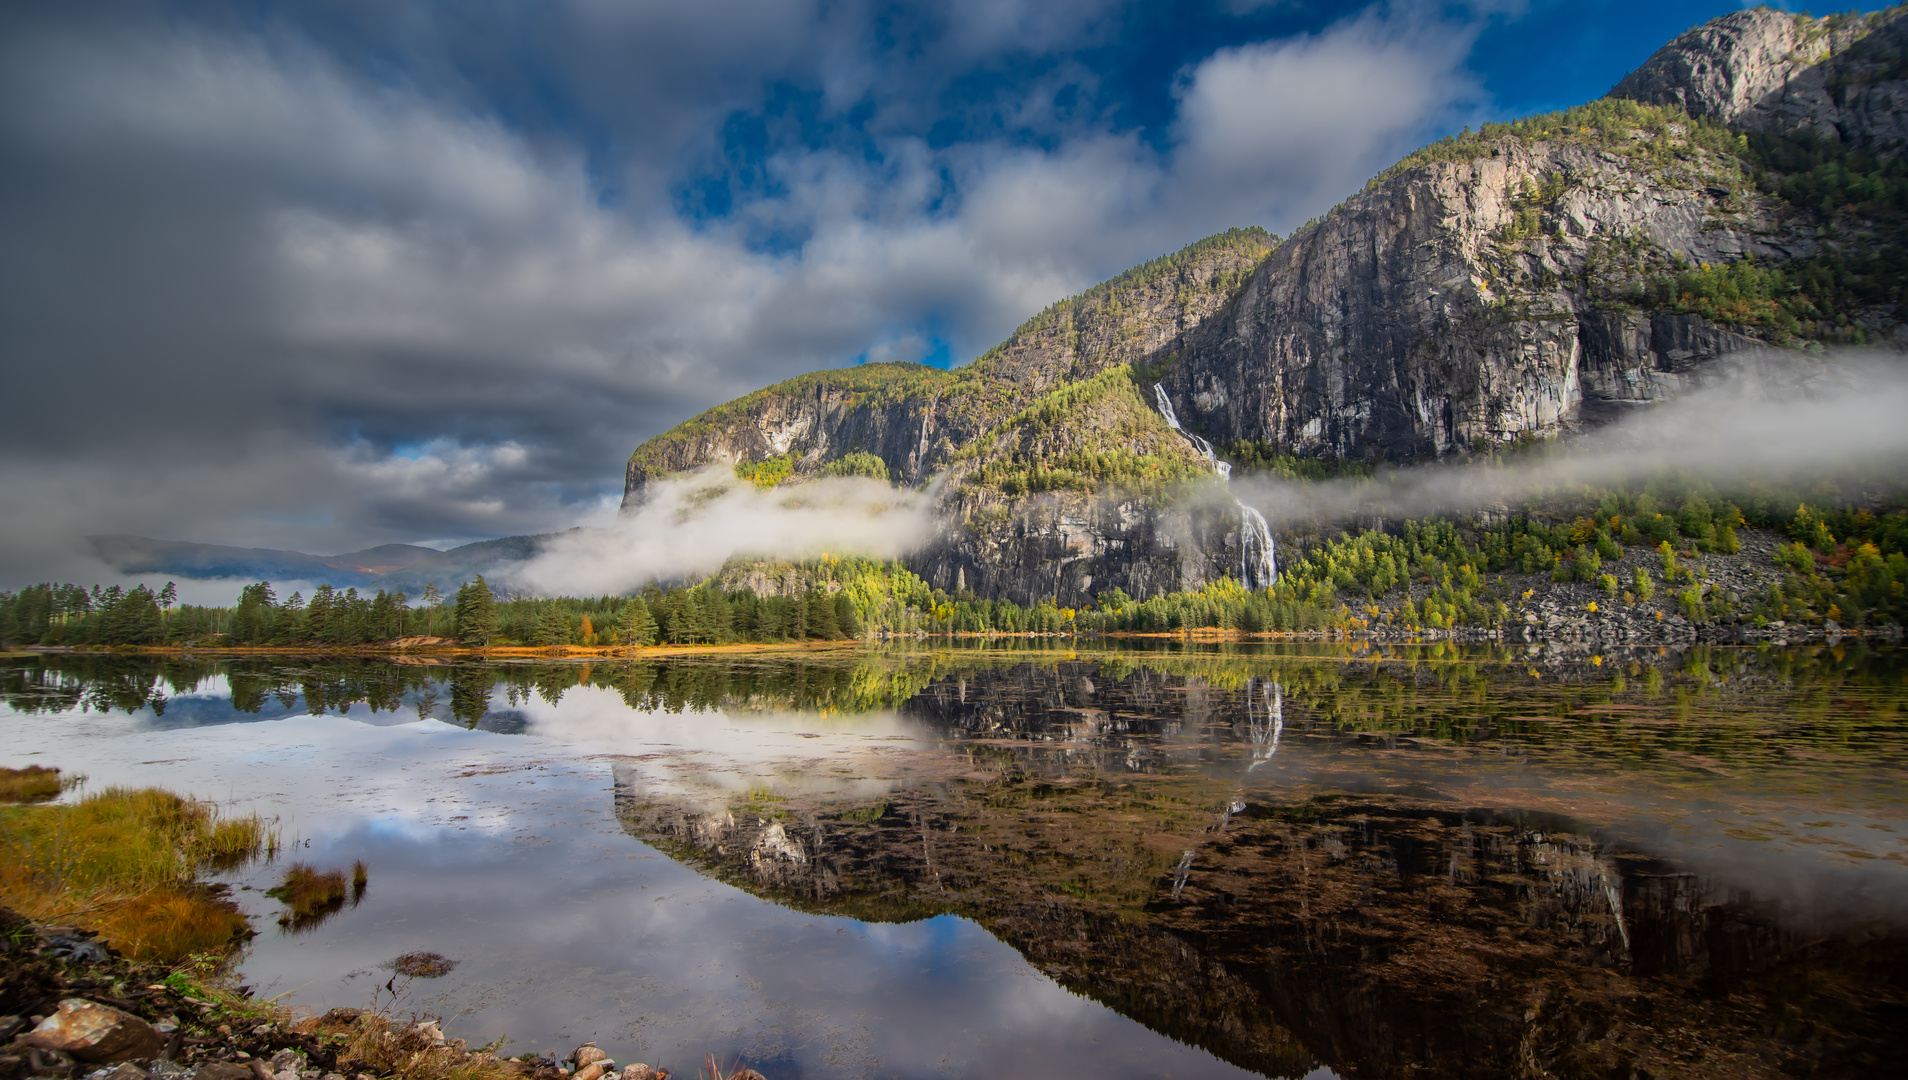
(1438, 861)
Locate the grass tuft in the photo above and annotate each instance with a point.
(382, 1048)
(35, 783)
(309, 896)
(170, 924)
(233, 842)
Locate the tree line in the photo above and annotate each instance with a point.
(1845, 563)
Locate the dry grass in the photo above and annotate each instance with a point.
(382, 1048)
(35, 783)
(167, 925)
(125, 862)
(309, 896)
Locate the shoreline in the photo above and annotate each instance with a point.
(1555, 626)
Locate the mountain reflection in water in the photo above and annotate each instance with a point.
(1426, 861)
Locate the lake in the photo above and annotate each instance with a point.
(1178, 860)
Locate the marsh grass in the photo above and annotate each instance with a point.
(124, 862)
(310, 896)
(35, 783)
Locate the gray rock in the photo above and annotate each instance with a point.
(93, 1032)
(1790, 74)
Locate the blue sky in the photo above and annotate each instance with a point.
(323, 276)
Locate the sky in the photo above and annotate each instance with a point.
(323, 276)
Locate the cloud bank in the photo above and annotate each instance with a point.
(1774, 415)
(688, 526)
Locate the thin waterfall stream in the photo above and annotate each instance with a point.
(1258, 562)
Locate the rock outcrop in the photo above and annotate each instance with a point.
(1839, 78)
(1456, 303)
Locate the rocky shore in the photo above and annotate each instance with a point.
(72, 1008)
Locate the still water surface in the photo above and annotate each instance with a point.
(1193, 861)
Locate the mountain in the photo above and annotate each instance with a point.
(403, 567)
(1742, 189)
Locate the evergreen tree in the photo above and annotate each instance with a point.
(845, 616)
(476, 612)
(555, 626)
(822, 620)
(635, 626)
(252, 620)
(320, 614)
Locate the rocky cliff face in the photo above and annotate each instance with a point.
(1839, 78)
(915, 418)
(1465, 303)
(1518, 281)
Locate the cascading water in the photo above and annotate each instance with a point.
(1264, 733)
(1199, 444)
(1182, 872)
(1258, 561)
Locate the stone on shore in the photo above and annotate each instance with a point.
(93, 1032)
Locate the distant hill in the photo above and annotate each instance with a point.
(405, 567)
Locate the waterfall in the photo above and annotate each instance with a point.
(1172, 421)
(1258, 561)
(1182, 872)
(1265, 736)
(1257, 565)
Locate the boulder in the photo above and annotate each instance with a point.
(587, 1054)
(221, 1070)
(639, 1071)
(96, 1033)
(595, 1070)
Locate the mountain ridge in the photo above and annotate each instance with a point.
(1524, 280)
(406, 567)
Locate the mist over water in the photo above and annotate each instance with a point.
(692, 524)
(1771, 415)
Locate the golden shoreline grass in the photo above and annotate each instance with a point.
(35, 783)
(125, 863)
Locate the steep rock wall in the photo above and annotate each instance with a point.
(1450, 305)
(1837, 78)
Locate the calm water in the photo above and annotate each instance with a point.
(964, 862)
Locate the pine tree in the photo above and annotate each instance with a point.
(822, 622)
(476, 612)
(845, 616)
(635, 626)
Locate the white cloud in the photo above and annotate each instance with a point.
(264, 271)
(690, 525)
(1282, 128)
